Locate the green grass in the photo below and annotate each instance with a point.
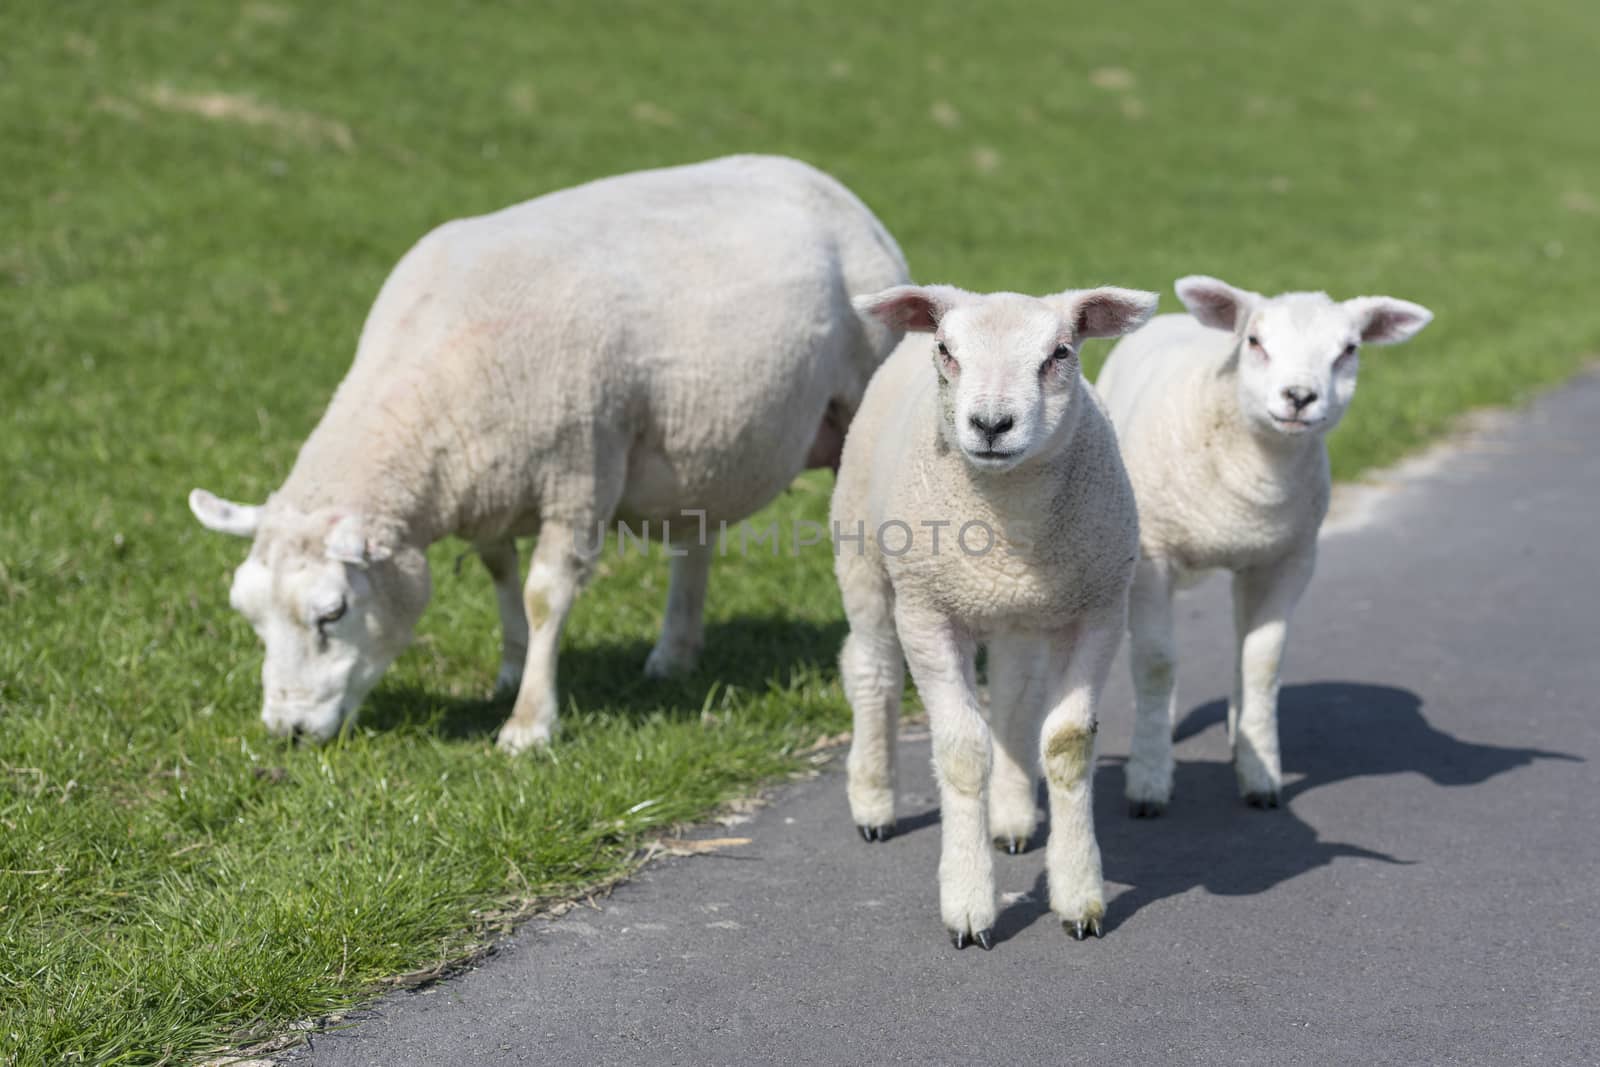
(179, 294)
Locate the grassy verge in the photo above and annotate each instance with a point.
(200, 200)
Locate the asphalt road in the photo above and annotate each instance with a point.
(1426, 895)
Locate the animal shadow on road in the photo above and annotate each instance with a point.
(1331, 732)
(749, 654)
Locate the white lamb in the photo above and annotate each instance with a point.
(981, 500)
(1222, 419)
(646, 346)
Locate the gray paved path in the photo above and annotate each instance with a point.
(1428, 894)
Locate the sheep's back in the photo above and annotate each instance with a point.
(695, 318)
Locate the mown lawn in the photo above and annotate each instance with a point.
(198, 201)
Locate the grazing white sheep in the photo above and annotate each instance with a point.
(981, 500)
(671, 341)
(1222, 419)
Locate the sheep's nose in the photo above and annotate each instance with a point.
(992, 426)
(1299, 396)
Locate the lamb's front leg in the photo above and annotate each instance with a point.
(682, 631)
(1072, 856)
(1263, 600)
(941, 660)
(554, 577)
(500, 560)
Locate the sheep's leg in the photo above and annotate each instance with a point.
(682, 632)
(1072, 855)
(1263, 600)
(873, 673)
(1241, 627)
(1018, 680)
(554, 577)
(1153, 656)
(501, 561)
(941, 660)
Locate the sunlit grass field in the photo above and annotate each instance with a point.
(198, 201)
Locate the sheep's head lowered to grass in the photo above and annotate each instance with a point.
(1298, 352)
(333, 597)
(1007, 363)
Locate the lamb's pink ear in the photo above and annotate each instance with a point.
(347, 542)
(917, 308)
(1214, 302)
(1107, 311)
(224, 516)
(1383, 320)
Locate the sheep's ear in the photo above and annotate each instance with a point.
(1383, 320)
(224, 516)
(917, 308)
(1106, 311)
(347, 542)
(1214, 302)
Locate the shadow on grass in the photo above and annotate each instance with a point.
(748, 654)
(1331, 732)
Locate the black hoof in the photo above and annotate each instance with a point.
(960, 939)
(1012, 845)
(985, 939)
(1267, 799)
(1079, 929)
(1145, 809)
(876, 833)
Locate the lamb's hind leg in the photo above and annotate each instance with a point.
(682, 631)
(873, 674)
(1263, 601)
(1072, 856)
(941, 660)
(1018, 677)
(1153, 658)
(560, 563)
(501, 561)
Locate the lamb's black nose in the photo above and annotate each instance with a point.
(1299, 396)
(991, 427)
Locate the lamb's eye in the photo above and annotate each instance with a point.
(328, 618)
(1062, 352)
(943, 351)
(1255, 343)
(1349, 350)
